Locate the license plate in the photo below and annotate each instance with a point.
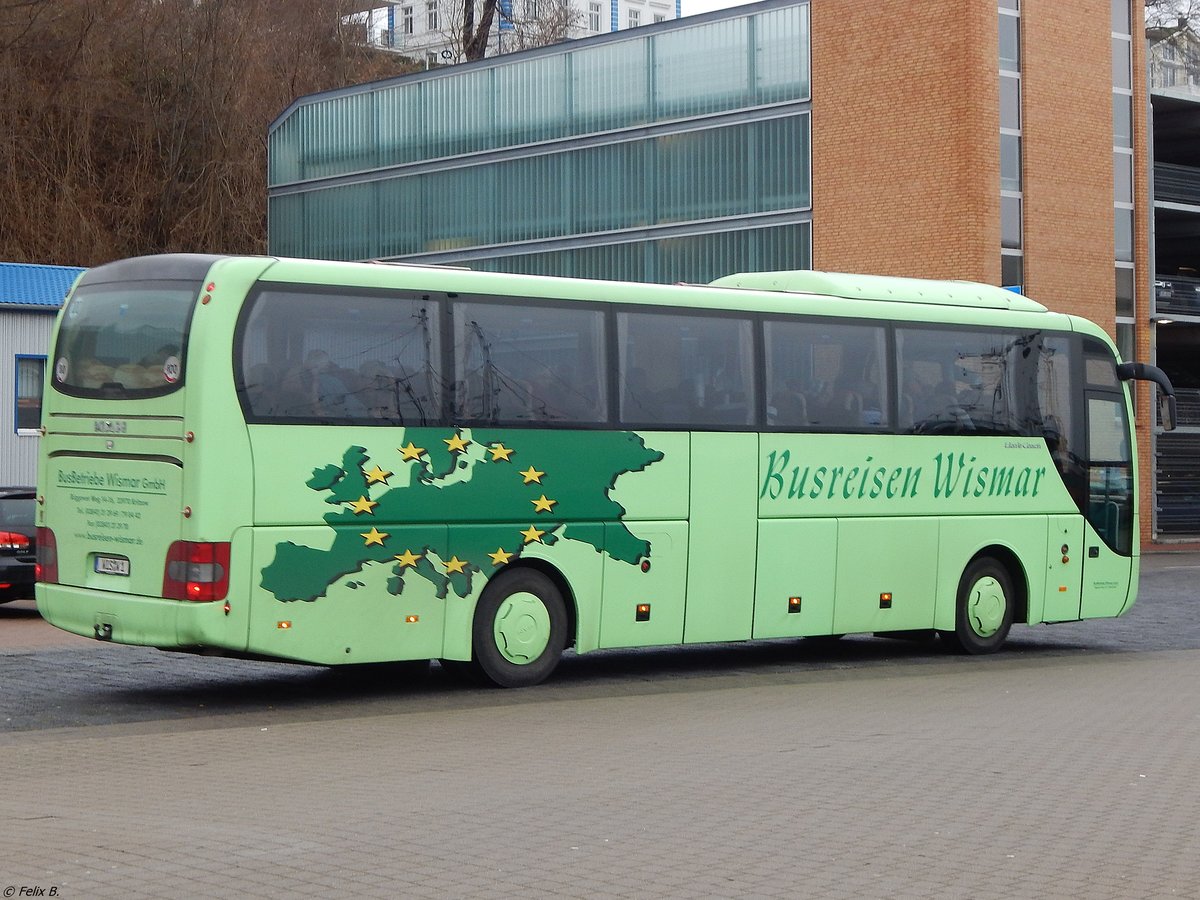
(112, 565)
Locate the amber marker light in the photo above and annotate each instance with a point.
(885, 600)
(412, 619)
(642, 613)
(283, 626)
(793, 604)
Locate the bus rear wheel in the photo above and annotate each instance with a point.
(984, 611)
(520, 629)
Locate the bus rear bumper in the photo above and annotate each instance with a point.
(143, 621)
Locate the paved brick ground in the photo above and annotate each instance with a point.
(1015, 776)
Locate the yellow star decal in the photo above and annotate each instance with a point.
(500, 452)
(412, 451)
(500, 558)
(374, 536)
(408, 558)
(543, 504)
(531, 474)
(454, 564)
(363, 505)
(377, 474)
(533, 533)
(456, 444)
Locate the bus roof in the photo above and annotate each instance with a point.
(878, 287)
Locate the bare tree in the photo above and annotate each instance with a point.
(139, 126)
(470, 28)
(539, 23)
(474, 36)
(1172, 13)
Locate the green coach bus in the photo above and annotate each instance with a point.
(342, 463)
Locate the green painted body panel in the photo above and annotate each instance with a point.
(1063, 579)
(360, 618)
(962, 538)
(878, 475)
(1106, 578)
(878, 287)
(796, 558)
(113, 506)
(722, 539)
(661, 492)
(662, 587)
(582, 568)
(876, 556)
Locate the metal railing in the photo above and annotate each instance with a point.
(1177, 483)
(1180, 184)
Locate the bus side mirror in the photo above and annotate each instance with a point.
(1167, 412)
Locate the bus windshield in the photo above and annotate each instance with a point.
(124, 340)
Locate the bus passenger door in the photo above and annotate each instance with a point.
(1064, 569)
(1111, 532)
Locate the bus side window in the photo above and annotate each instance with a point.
(535, 364)
(825, 375)
(685, 370)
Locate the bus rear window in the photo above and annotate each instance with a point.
(124, 340)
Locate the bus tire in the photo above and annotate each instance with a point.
(984, 610)
(520, 628)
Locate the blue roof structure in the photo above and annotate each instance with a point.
(28, 286)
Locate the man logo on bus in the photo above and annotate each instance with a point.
(543, 487)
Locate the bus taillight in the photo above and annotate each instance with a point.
(196, 571)
(46, 569)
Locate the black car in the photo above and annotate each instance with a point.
(18, 547)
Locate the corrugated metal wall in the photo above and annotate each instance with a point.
(21, 334)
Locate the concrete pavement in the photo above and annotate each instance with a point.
(1013, 776)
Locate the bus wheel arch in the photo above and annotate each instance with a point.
(991, 594)
(560, 582)
(520, 628)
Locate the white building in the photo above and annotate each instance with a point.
(429, 29)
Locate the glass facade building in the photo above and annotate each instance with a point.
(675, 152)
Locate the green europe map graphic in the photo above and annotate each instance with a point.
(543, 485)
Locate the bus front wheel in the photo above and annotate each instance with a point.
(520, 629)
(984, 609)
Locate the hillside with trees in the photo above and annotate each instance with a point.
(139, 126)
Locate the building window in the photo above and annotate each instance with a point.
(659, 17)
(431, 16)
(635, 18)
(31, 373)
(406, 20)
(1123, 162)
(1010, 42)
(593, 16)
(1012, 263)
